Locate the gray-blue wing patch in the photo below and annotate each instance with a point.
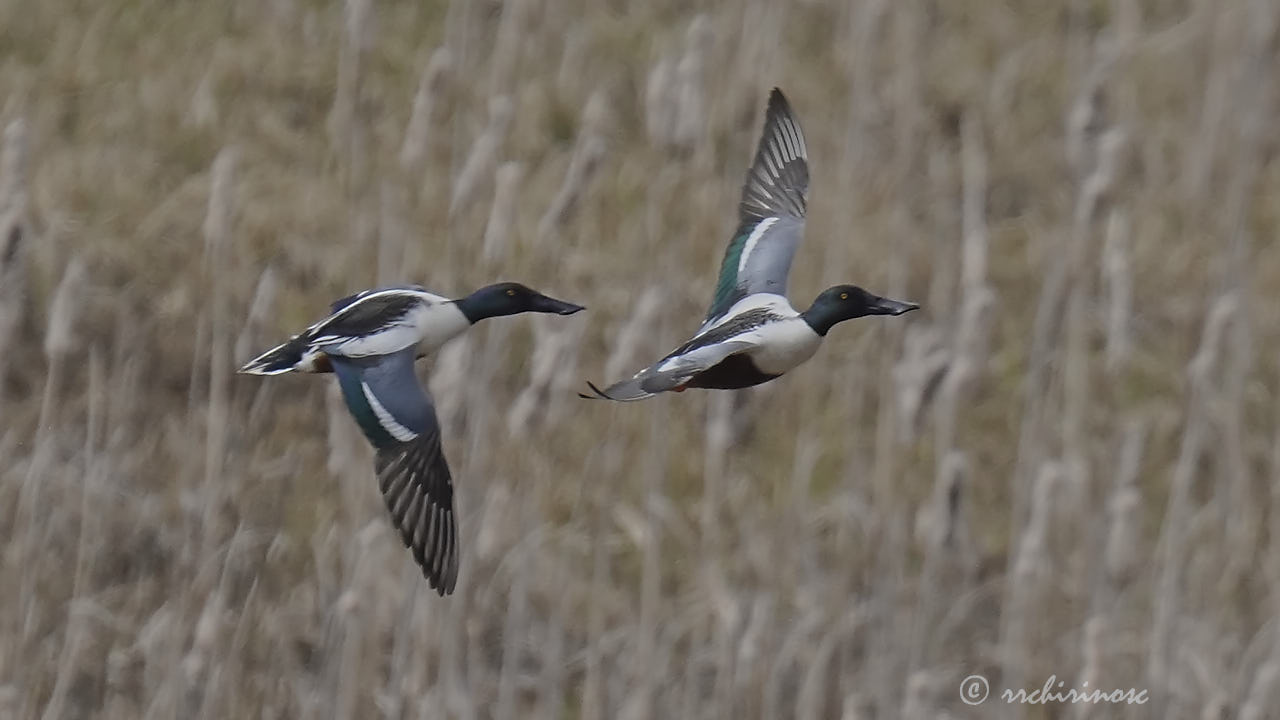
(397, 415)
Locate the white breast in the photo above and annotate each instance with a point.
(439, 323)
(784, 345)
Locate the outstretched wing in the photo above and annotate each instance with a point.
(398, 417)
(771, 213)
(703, 352)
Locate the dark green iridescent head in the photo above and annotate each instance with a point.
(846, 302)
(510, 298)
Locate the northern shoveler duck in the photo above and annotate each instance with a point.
(751, 334)
(370, 341)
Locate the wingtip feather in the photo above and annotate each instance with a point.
(599, 394)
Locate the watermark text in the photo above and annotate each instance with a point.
(975, 689)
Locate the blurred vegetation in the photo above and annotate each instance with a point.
(1067, 464)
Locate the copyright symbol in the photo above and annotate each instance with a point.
(974, 690)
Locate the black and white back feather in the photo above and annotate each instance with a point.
(386, 312)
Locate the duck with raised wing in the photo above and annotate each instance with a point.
(370, 341)
(751, 333)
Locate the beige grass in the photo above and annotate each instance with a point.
(1064, 465)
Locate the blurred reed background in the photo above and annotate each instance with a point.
(1067, 464)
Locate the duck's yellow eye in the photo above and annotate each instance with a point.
(512, 293)
(844, 296)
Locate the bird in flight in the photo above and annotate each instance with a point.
(752, 334)
(370, 341)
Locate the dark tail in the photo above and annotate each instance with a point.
(279, 359)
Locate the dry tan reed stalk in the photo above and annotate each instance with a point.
(14, 238)
(1033, 569)
(1118, 282)
(1215, 106)
(257, 323)
(587, 156)
(449, 378)
(575, 54)
(690, 125)
(973, 155)
(60, 340)
(715, 454)
(924, 363)
(517, 618)
(217, 239)
(14, 167)
(393, 234)
(553, 679)
(405, 681)
(13, 286)
(789, 562)
(513, 30)
(1260, 702)
(159, 642)
(1256, 95)
(941, 525)
(916, 703)
(812, 699)
(1093, 654)
(1030, 448)
(1272, 554)
(196, 664)
(357, 38)
(1167, 597)
(348, 616)
(865, 28)
(661, 103)
(502, 214)
(1094, 154)
(203, 111)
(76, 634)
(592, 697)
(432, 85)
(484, 156)
(884, 666)
(977, 299)
(972, 342)
(1124, 533)
(751, 656)
(60, 343)
(345, 451)
(792, 654)
(552, 373)
(639, 328)
(643, 671)
(1086, 118)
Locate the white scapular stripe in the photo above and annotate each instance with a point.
(384, 342)
(752, 239)
(389, 423)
